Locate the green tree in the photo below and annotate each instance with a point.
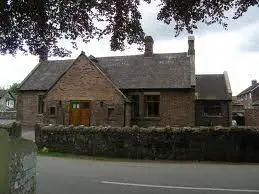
(36, 26)
(14, 88)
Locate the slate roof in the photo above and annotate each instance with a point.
(171, 70)
(249, 89)
(2, 93)
(211, 87)
(45, 74)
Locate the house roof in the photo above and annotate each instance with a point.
(171, 70)
(249, 89)
(45, 74)
(2, 93)
(212, 87)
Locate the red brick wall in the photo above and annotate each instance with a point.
(176, 108)
(252, 117)
(27, 109)
(223, 120)
(83, 81)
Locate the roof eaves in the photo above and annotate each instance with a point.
(29, 75)
(255, 88)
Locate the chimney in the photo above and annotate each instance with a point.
(191, 50)
(43, 54)
(254, 82)
(148, 46)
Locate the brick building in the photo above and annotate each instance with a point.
(213, 100)
(147, 90)
(249, 99)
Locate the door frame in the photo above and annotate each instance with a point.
(79, 102)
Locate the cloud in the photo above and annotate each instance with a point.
(217, 50)
(162, 31)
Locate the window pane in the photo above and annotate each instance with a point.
(84, 105)
(151, 105)
(135, 105)
(40, 104)
(213, 109)
(52, 110)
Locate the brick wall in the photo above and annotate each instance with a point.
(27, 108)
(223, 120)
(252, 117)
(177, 108)
(84, 82)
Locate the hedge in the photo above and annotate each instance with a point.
(168, 143)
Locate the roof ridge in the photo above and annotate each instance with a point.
(138, 55)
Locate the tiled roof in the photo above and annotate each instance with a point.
(2, 93)
(211, 87)
(249, 89)
(160, 71)
(127, 72)
(45, 75)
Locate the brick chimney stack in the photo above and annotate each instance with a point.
(191, 49)
(149, 42)
(43, 54)
(254, 82)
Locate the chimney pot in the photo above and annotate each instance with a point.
(43, 54)
(191, 49)
(254, 82)
(149, 42)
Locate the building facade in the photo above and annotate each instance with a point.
(146, 90)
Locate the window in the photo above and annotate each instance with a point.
(80, 105)
(110, 113)
(151, 105)
(212, 109)
(135, 106)
(40, 104)
(52, 110)
(250, 95)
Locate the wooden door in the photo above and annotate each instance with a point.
(79, 113)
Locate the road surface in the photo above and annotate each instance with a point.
(71, 176)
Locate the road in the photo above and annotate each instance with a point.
(71, 176)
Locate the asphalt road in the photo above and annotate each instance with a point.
(70, 176)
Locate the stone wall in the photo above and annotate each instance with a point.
(252, 117)
(13, 129)
(17, 163)
(10, 115)
(22, 166)
(4, 150)
(214, 144)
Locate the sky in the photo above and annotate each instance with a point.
(235, 50)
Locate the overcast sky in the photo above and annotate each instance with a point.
(235, 50)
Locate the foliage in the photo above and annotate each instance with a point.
(36, 26)
(14, 88)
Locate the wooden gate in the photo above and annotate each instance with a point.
(79, 113)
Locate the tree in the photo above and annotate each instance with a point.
(14, 88)
(36, 26)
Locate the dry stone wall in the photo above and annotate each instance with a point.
(214, 144)
(19, 159)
